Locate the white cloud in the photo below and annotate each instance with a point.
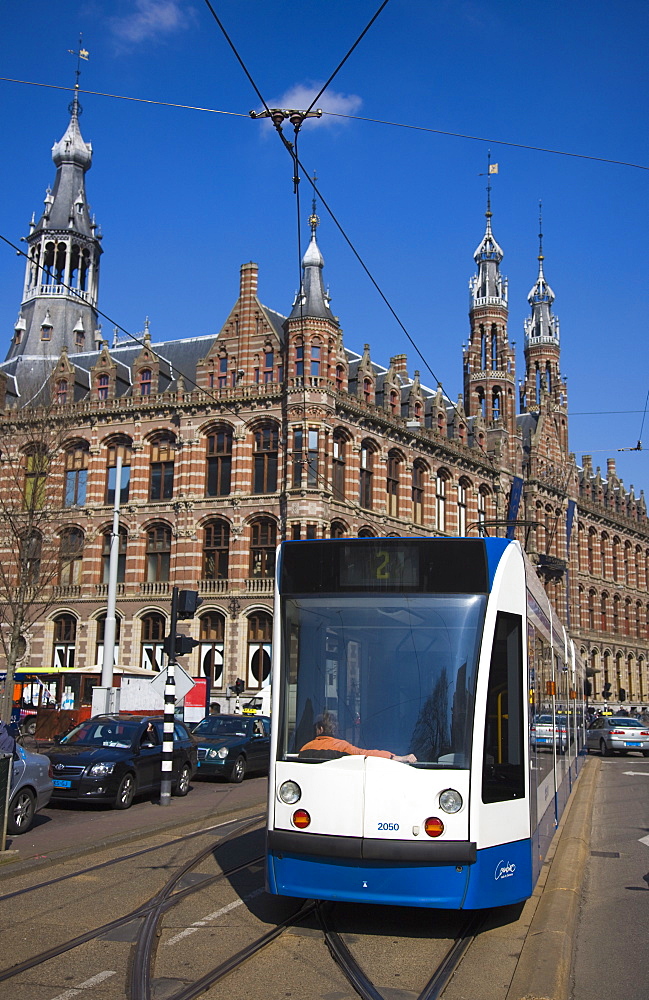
(151, 20)
(300, 96)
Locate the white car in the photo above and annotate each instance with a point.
(31, 789)
(544, 734)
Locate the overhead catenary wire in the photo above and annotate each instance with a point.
(337, 114)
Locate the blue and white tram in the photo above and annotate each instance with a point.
(446, 649)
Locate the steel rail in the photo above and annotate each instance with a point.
(143, 910)
(124, 857)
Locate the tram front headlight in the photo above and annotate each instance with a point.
(450, 800)
(290, 792)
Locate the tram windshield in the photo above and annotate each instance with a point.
(394, 673)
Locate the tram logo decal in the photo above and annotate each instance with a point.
(504, 870)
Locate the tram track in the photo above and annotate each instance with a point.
(320, 919)
(48, 883)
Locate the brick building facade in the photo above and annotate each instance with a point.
(274, 429)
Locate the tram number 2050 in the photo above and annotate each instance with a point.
(388, 826)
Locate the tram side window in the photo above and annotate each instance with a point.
(503, 774)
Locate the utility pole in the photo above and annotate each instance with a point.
(170, 704)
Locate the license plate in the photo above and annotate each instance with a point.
(633, 744)
(61, 783)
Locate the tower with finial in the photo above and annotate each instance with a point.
(59, 304)
(314, 337)
(489, 361)
(542, 346)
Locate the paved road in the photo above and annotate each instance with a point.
(610, 955)
(64, 828)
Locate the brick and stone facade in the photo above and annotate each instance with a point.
(274, 429)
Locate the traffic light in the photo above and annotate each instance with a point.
(188, 602)
(184, 645)
(621, 695)
(238, 687)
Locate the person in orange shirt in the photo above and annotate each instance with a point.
(326, 743)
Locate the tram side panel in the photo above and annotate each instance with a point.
(500, 815)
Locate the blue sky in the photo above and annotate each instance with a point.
(185, 197)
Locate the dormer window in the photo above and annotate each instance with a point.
(46, 331)
(62, 391)
(145, 382)
(223, 372)
(102, 387)
(79, 339)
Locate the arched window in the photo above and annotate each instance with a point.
(36, 466)
(65, 637)
(265, 459)
(118, 446)
(219, 462)
(299, 358)
(366, 474)
(392, 484)
(161, 483)
(316, 352)
(158, 553)
(77, 457)
(340, 378)
(103, 386)
(603, 611)
(70, 557)
(462, 487)
(367, 390)
(602, 554)
(30, 544)
(144, 382)
(153, 633)
(121, 555)
(616, 558)
(395, 403)
(616, 614)
(441, 483)
(62, 391)
(418, 479)
(216, 550)
(591, 550)
(338, 464)
(262, 550)
(212, 633)
(366, 533)
(101, 638)
(495, 406)
(260, 635)
(591, 609)
(627, 616)
(482, 509)
(338, 529)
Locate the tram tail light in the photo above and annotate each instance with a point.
(434, 826)
(301, 819)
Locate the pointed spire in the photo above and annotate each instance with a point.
(312, 299)
(488, 248)
(541, 291)
(542, 325)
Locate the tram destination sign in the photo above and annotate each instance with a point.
(391, 565)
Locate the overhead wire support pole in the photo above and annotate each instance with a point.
(169, 706)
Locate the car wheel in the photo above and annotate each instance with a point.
(125, 792)
(604, 749)
(21, 811)
(182, 785)
(29, 728)
(238, 770)
(645, 753)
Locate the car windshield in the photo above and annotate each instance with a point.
(392, 673)
(544, 720)
(218, 726)
(626, 723)
(104, 733)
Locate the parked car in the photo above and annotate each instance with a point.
(31, 789)
(231, 745)
(113, 758)
(621, 734)
(546, 734)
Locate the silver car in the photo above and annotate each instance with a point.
(620, 734)
(31, 789)
(545, 733)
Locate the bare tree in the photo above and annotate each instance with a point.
(33, 551)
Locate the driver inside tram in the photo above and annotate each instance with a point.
(326, 745)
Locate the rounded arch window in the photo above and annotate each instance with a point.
(260, 634)
(212, 637)
(153, 632)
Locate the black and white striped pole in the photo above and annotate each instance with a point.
(169, 706)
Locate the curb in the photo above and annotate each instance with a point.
(544, 967)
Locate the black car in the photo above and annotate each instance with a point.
(115, 757)
(230, 745)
